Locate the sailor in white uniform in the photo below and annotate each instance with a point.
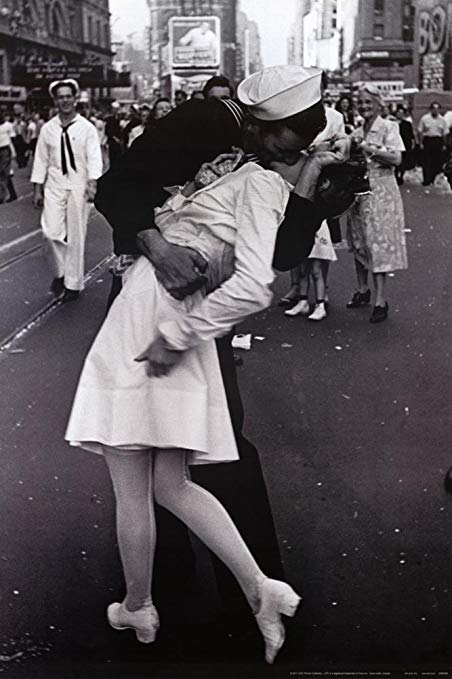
(67, 164)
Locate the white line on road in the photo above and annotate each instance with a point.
(37, 318)
(19, 241)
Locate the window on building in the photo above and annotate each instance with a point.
(90, 30)
(408, 20)
(106, 36)
(2, 68)
(98, 33)
(57, 20)
(379, 6)
(379, 31)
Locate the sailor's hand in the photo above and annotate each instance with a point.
(158, 359)
(38, 197)
(181, 270)
(90, 191)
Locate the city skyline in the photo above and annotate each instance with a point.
(274, 23)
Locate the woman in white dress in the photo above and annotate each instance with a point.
(151, 397)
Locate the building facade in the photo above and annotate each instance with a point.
(42, 40)
(377, 39)
(321, 35)
(248, 47)
(314, 39)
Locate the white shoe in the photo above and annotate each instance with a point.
(145, 621)
(319, 313)
(301, 307)
(276, 598)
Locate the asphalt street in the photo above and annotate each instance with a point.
(353, 425)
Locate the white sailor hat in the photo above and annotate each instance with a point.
(278, 92)
(69, 82)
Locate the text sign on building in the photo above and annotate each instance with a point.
(434, 44)
(390, 90)
(194, 42)
(34, 75)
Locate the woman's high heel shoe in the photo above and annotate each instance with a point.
(276, 598)
(145, 621)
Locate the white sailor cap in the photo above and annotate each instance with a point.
(69, 82)
(278, 92)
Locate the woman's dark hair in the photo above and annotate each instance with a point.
(308, 123)
(348, 114)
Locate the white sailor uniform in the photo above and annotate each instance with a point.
(64, 162)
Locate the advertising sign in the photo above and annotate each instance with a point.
(390, 90)
(87, 75)
(194, 42)
(434, 44)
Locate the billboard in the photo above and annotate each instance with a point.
(433, 42)
(194, 42)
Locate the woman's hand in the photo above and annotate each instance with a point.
(159, 359)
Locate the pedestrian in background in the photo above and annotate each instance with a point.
(20, 135)
(409, 141)
(433, 131)
(330, 233)
(7, 153)
(145, 118)
(218, 87)
(113, 132)
(180, 97)
(67, 164)
(375, 223)
(315, 267)
(161, 108)
(345, 107)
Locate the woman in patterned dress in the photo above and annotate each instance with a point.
(375, 224)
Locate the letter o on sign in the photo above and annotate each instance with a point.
(432, 30)
(438, 29)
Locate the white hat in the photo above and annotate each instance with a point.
(278, 92)
(69, 82)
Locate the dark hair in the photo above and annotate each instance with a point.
(347, 115)
(308, 123)
(435, 103)
(217, 81)
(324, 80)
(184, 94)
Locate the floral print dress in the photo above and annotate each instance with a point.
(376, 221)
